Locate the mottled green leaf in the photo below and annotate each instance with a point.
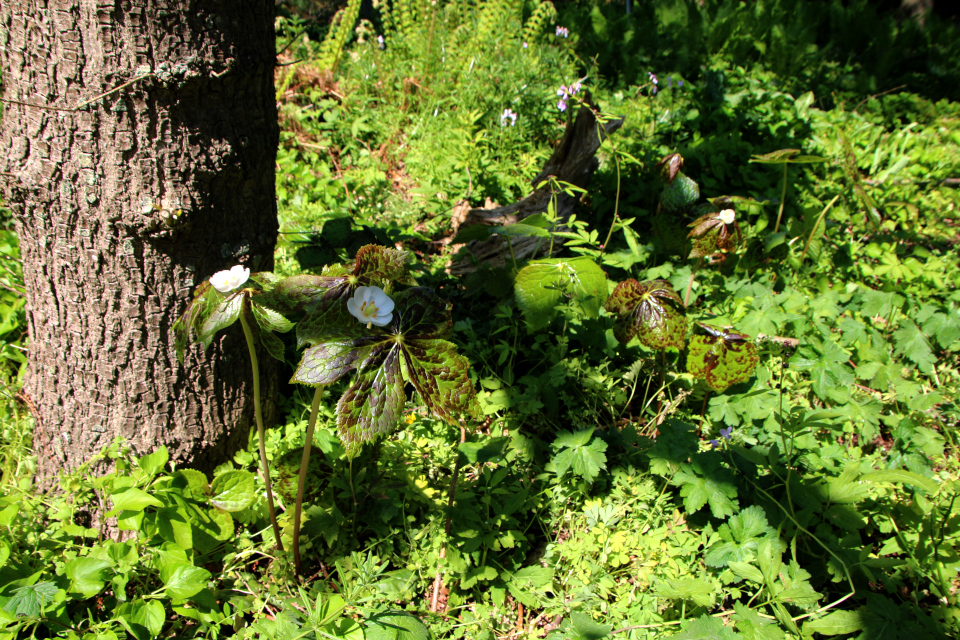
(377, 265)
(722, 358)
(442, 378)
(329, 361)
(372, 404)
(651, 310)
(268, 319)
(542, 284)
(297, 293)
(224, 315)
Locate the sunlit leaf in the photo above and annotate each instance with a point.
(723, 358)
(650, 310)
(224, 315)
(542, 284)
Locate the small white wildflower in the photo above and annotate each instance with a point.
(370, 305)
(227, 281)
(727, 216)
(508, 116)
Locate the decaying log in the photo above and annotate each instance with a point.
(573, 161)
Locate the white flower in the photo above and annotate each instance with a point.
(726, 216)
(227, 281)
(371, 305)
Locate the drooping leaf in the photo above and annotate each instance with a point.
(372, 405)
(296, 293)
(268, 319)
(712, 237)
(542, 284)
(723, 358)
(132, 499)
(225, 314)
(652, 311)
(144, 620)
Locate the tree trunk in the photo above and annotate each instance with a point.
(95, 183)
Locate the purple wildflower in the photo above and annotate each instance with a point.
(562, 32)
(562, 105)
(715, 443)
(726, 433)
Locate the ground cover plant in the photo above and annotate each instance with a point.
(720, 402)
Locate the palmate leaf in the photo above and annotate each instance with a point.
(723, 358)
(412, 343)
(651, 310)
(211, 312)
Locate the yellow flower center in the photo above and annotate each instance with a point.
(369, 309)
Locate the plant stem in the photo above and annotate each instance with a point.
(302, 482)
(261, 432)
(815, 226)
(437, 581)
(686, 296)
(616, 203)
(783, 196)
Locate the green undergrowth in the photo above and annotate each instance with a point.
(802, 487)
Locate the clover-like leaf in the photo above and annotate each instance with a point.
(542, 284)
(723, 358)
(650, 310)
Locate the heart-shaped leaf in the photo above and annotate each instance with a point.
(724, 358)
(650, 310)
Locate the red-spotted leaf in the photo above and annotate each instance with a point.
(650, 310)
(724, 358)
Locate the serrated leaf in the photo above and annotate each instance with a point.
(30, 600)
(378, 265)
(746, 571)
(751, 626)
(395, 626)
(585, 455)
(233, 490)
(652, 310)
(705, 627)
(542, 284)
(703, 481)
(912, 343)
(371, 406)
(740, 538)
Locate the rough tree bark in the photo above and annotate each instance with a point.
(95, 192)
